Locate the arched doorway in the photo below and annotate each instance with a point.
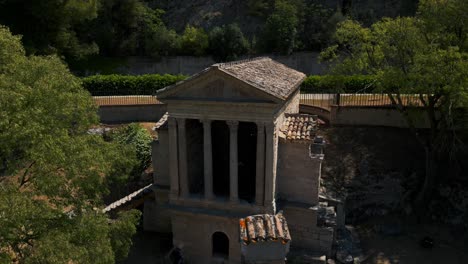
(220, 243)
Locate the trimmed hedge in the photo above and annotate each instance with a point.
(338, 84)
(148, 84)
(114, 84)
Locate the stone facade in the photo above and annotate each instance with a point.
(204, 184)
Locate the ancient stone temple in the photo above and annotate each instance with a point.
(233, 145)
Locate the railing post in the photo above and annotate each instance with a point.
(338, 99)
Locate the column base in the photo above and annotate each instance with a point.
(270, 207)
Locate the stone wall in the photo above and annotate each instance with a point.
(160, 158)
(156, 215)
(302, 223)
(306, 62)
(116, 114)
(192, 232)
(298, 175)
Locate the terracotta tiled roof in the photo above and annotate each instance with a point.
(264, 227)
(265, 74)
(299, 126)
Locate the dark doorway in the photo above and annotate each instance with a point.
(220, 244)
(247, 157)
(194, 135)
(220, 145)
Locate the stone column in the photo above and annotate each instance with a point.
(183, 179)
(270, 167)
(260, 169)
(233, 180)
(173, 159)
(208, 159)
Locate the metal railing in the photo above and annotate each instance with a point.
(378, 100)
(126, 100)
(313, 99)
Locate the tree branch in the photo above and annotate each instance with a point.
(23, 178)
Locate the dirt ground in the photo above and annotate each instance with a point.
(449, 247)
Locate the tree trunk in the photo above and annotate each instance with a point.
(424, 194)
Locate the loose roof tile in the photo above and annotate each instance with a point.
(265, 74)
(299, 127)
(162, 122)
(264, 227)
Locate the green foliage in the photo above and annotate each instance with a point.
(338, 84)
(280, 29)
(194, 41)
(138, 139)
(10, 48)
(425, 55)
(318, 26)
(128, 84)
(121, 232)
(227, 43)
(123, 27)
(52, 172)
(258, 7)
(162, 42)
(53, 26)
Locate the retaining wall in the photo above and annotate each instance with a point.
(306, 62)
(375, 116)
(115, 114)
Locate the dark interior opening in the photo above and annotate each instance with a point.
(220, 245)
(220, 145)
(194, 133)
(247, 157)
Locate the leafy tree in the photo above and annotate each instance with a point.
(51, 26)
(281, 28)
(227, 43)
(52, 172)
(318, 26)
(424, 55)
(162, 42)
(139, 139)
(194, 41)
(258, 7)
(123, 27)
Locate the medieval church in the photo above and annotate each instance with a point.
(237, 167)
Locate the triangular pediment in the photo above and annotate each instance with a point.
(215, 85)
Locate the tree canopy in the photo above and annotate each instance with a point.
(227, 43)
(50, 27)
(281, 28)
(424, 55)
(53, 173)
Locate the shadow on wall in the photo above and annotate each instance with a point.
(306, 62)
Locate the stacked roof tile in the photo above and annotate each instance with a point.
(127, 200)
(162, 122)
(264, 227)
(299, 127)
(265, 74)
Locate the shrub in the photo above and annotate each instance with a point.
(115, 84)
(338, 83)
(137, 138)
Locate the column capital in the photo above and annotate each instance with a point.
(232, 124)
(270, 127)
(181, 121)
(172, 122)
(206, 122)
(260, 124)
